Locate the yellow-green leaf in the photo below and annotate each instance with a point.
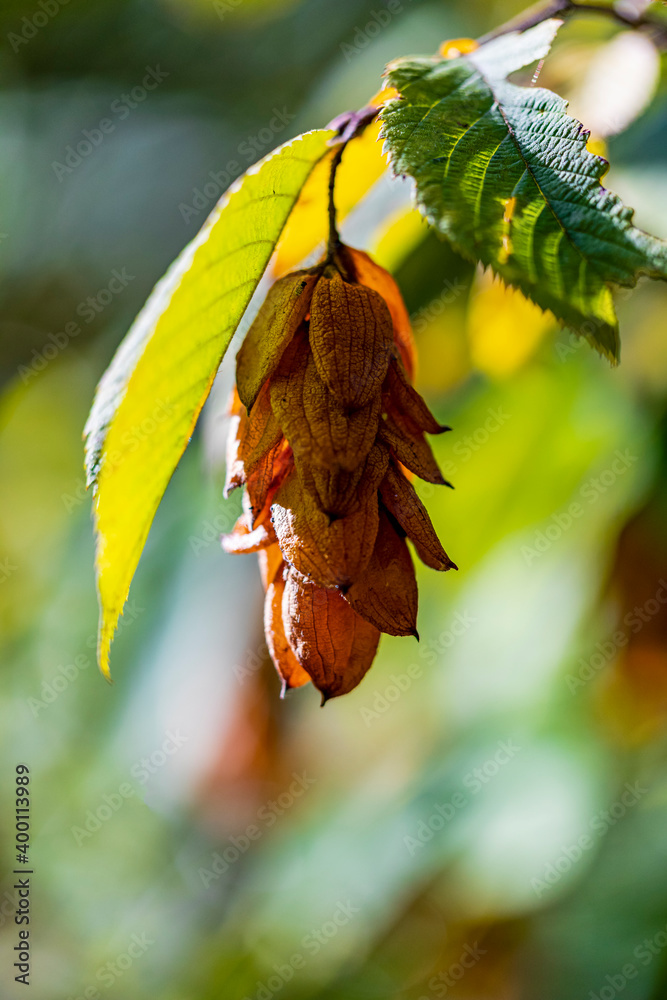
(148, 401)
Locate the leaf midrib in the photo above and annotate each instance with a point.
(476, 72)
(527, 168)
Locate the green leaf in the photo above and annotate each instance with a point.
(148, 401)
(503, 172)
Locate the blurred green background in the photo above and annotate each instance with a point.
(485, 816)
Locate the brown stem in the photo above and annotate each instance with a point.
(529, 18)
(334, 239)
(564, 8)
(347, 126)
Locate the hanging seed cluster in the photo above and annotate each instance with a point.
(326, 429)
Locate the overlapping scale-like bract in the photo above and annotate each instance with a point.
(325, 428)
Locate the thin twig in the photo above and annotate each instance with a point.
(529, 18)
(565, 8)
(334, 239)
(629, 20)
(347, 126)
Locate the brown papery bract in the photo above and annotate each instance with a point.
(400, 498)
(334, 644)
(286, 663)
(386, 592)
(332, 551)
(324, 429)
(276, 323)
(364, 270)
(351, 337)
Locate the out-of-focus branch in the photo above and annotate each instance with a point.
(655, 27)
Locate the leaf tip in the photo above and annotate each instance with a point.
(105, 633)
(103, 649)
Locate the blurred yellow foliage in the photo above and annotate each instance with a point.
(396, 240)
(457, 47)
(362, 165)
(504, 328)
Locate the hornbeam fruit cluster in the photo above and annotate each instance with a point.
(326, 431)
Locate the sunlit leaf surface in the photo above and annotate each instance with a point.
(148, 402)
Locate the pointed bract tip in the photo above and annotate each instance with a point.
(415, 633)
(325, 699)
